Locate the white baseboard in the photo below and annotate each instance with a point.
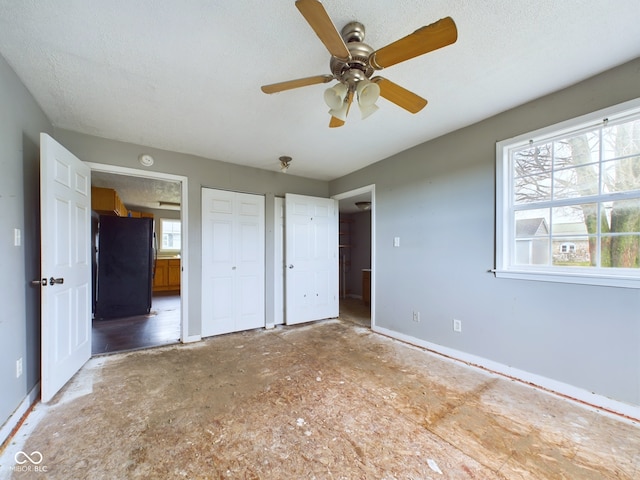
(192, 339)
(564, 390)
(14, 420)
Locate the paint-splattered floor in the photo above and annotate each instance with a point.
(329, 400)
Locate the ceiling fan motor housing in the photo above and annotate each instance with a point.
(357, 68)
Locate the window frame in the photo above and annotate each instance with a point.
(505, 224)
(161, 233)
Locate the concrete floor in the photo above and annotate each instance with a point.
(326, 400)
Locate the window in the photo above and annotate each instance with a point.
(170, 236)
(568, 201)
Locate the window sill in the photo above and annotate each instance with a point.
(618, 281)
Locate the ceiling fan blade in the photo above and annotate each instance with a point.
(300, 82)
(424, 40)
(318, 18)
(400, 96)
(335, 122)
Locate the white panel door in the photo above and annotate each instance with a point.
(65, 196)
(311, 258)
(232, 262)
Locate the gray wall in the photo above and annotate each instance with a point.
(200, 173)
(21, 121)
(441, 204)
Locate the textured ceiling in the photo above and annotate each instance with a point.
(186, 76)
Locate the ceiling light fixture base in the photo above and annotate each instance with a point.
(145, 159)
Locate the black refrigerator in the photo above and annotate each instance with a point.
(125, 267)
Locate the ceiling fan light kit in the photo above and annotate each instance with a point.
(285, 162)
(353, 63)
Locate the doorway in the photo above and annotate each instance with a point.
(356, 255)
(164, 197)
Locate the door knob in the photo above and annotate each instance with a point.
(38, 283)
(53, 281)
(291, 266)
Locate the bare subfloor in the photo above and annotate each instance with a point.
(329, 400)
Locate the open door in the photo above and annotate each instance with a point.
(311, 258)
(65, 225)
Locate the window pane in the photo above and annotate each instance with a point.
(621, 175)
(625, 216)
(532, 160)
(532, 237)
(533, 188)
(171, 234)
(621, 251)
(622, 140)
(576, 182)
(577, 150)
(570, 229)
(572, 253)
(574, 219)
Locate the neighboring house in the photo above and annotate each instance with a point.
(570, 243)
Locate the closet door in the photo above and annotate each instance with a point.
(233, 268)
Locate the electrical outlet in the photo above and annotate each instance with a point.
(19, 367)
(457, 325)
(416, 317)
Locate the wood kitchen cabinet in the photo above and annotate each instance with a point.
(106, 201)
(167, 276)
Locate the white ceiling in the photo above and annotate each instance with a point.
(185, 76)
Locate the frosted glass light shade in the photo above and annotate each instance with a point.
(368, 93)
(340, 113)
(334, 96)
(366, 110)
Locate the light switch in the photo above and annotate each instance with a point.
(17, 237)
(396, 241)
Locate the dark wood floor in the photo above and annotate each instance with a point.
(160, 327)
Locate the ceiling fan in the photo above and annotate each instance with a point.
(353, 63)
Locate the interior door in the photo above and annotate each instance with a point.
(65, 225)
(311, 258)
(233, 246)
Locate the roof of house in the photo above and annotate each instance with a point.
(530, 227)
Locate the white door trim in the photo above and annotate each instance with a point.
(352, 193)
(184, 217)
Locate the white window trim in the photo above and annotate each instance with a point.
(627, 278)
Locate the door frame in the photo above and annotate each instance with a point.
(184, 254)
(353, 193)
